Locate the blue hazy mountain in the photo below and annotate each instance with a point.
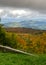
(27, 24)
(32, 23)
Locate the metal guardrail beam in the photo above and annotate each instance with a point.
(15, 50)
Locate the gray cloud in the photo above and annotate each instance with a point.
(39, 5)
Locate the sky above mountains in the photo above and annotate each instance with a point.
(39, 5)
(22, 8)
(19, 13)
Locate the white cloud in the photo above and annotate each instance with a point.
(1, 10)
(18, 13)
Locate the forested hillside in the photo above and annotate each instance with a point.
(29, 42)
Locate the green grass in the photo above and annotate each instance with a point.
(21, 59)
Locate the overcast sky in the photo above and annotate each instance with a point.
(23, 8)
(39, 5)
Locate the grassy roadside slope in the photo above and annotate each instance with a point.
(21, 59)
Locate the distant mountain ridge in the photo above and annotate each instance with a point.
(35, 24)
(28, 24)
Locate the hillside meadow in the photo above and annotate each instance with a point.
(21, 59)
